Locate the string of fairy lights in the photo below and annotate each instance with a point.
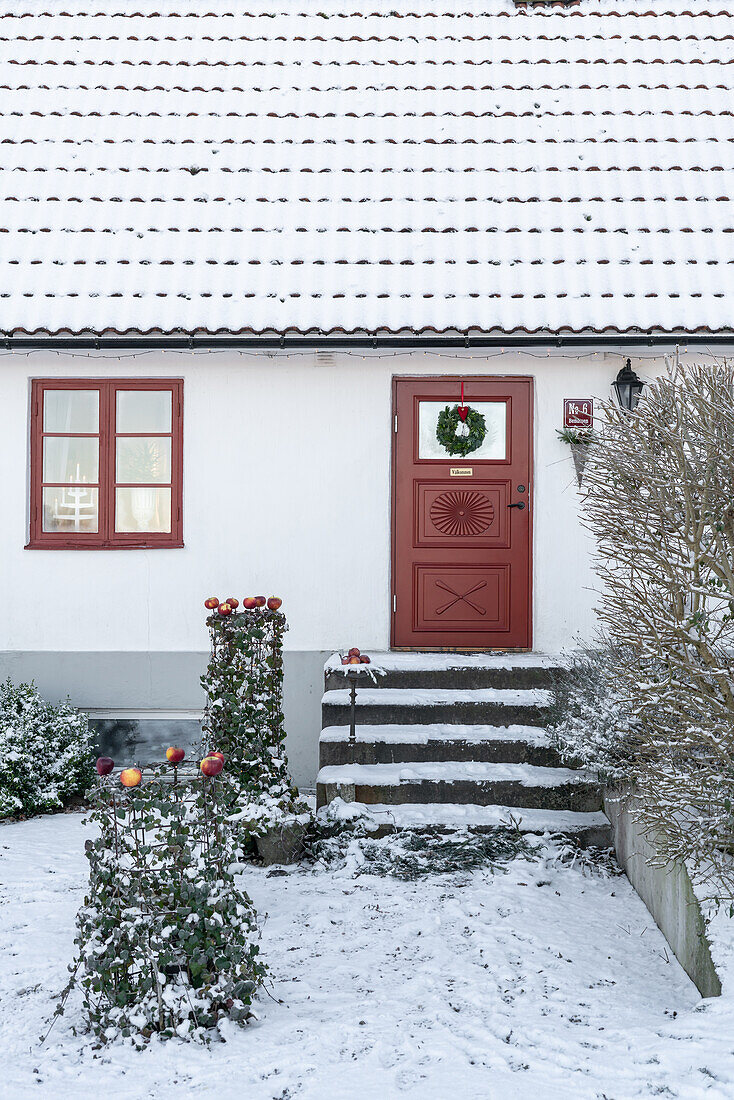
(470, 355)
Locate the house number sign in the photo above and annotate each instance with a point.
(578, 412)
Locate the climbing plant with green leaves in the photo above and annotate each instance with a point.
(244, 719)
(167, 941)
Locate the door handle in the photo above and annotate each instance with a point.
(520, 504)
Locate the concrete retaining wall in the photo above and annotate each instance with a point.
(667, 892)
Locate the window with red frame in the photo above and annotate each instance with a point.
(106, 463)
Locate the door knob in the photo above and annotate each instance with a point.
(520, 504)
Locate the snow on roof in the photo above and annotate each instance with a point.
(218, 166)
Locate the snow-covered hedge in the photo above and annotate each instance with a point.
(658, 708)
(45, 752)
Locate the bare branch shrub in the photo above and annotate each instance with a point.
(659, 499)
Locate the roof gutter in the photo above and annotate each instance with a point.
(284, 342)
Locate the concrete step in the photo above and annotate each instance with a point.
(450, 670)
(410, 706)
(467, 782)
(587, 829)
(394, 744)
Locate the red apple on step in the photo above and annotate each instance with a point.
(364, 659)
(353, 652)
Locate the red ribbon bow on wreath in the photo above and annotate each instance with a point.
(463, 409)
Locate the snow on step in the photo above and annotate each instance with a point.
(392, 775)
(438, 731)
(440, 662)
(439, 697)
(458, 816)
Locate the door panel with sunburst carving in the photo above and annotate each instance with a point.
(462, 525)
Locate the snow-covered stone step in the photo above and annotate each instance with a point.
(590, 829)
(406, 706)
(457, 670)
(392, 744)
(470, 782)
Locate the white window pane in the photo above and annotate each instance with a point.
(142, 510)
(71, 509)
(143, 411)
(71, 411)
(66, 458)
(143, 460)
(495, 441)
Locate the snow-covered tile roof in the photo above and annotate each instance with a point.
(233, 166)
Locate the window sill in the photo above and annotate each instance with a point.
(69, 544)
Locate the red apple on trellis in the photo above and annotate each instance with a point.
(131, 777)
(174, 755)
(104, 765)
(211, 766)
(225, 609)
(274, 603)
(211, 603)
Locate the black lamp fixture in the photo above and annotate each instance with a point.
(628, 387)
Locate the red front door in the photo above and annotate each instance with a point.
(461, 530)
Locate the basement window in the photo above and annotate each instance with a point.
(106, 464)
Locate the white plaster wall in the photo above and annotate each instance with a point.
(286, 491)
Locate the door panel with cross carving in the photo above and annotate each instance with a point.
(462, 525)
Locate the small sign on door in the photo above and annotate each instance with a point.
(578, 412)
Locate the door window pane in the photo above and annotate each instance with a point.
(143, 460)
(143, 411)
(142, 510)
(71, 509)
(71, 411)
(66, 458)
(495, 441)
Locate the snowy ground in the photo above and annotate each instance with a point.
(541, 983)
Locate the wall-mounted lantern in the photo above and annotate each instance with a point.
(628, 387)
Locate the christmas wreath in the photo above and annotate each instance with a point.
(460, 430)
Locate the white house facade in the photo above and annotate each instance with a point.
(247, 257)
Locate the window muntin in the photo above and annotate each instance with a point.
(106, 463)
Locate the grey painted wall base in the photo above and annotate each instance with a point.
(120, 682)
(667, 892)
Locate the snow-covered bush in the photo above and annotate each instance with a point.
(347, 837)
(659, 499)
(244, 720)
(45, 752)
(593, 725)
(167, 940)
